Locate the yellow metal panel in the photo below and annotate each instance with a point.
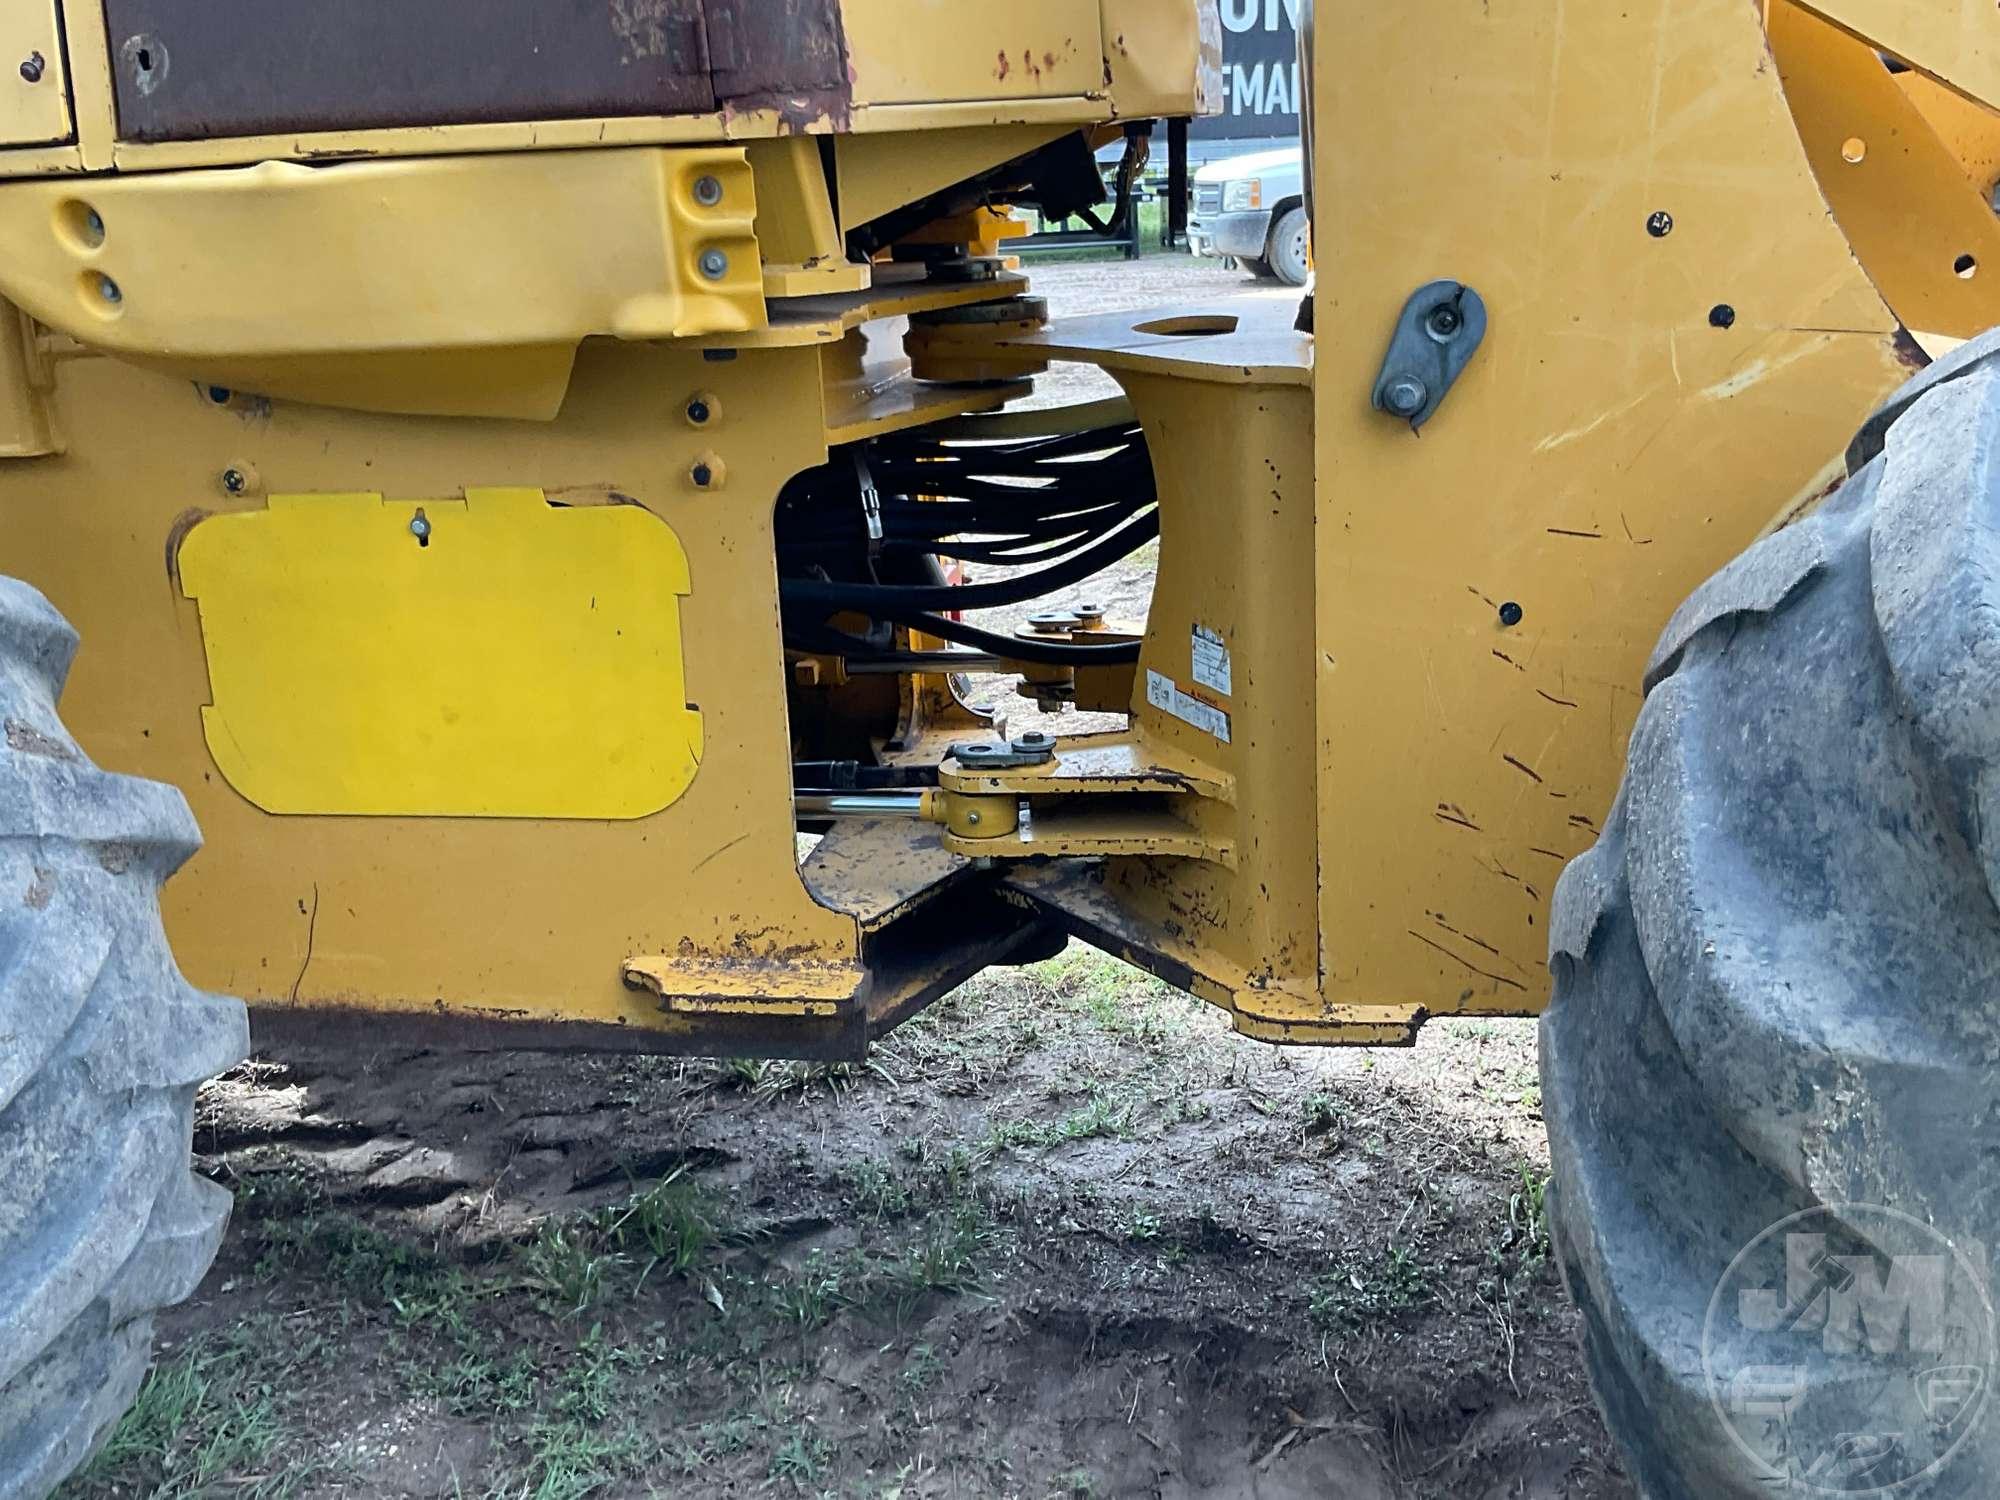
(1162, 59)
(918, 51)
(454, 917)
(27, 419)
(1608, 447)
(34, 82)
(796, 232)
(1971, 132)
(275, 276)
(486, 656)
(883, 172)
(1955, 40)
(1923, 230)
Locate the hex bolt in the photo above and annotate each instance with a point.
(1405, 395)
(1510, 613)
(108, 290)
(32, 66)
(235, 481)
(707, 191)
(714, 264)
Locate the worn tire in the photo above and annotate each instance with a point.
(101, 1045)
(1777, 977)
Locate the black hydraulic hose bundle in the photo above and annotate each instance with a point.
(850, 530)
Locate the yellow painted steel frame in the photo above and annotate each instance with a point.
(1641, 406)
(1681, 342)
(1381, 783)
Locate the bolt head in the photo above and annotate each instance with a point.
(697, 411)
(109, 290)
(1510, 613)
(702, 475)
(420, 525)
(234, 481)
(1405, 395)
(219, 395)
(714, 264)
(1659, 223)
(707, 191)
(1444, 320)
(31, 67)
(972, 818)
(1034, 739)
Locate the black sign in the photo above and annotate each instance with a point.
(1260, 72)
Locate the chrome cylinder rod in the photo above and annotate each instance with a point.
(815, 804)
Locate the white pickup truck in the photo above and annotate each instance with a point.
(1251, 209)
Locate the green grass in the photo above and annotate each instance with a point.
(1102, 1116)
(670, 1226)
(1357, 1295)
(212, 1417)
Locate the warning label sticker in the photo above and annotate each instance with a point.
(1165, 694)
(1211, 660)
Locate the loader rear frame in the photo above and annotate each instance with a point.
(439, 574)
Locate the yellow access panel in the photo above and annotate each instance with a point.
(485, 656)
(34, 90)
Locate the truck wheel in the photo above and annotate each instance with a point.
(101, 1045)
(1285, 252)
(1771, 1067)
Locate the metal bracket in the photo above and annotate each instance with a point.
(871, 504)
(1033, 748)
(1440, 327)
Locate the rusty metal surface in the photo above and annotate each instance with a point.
(194, 69)
(787, 54)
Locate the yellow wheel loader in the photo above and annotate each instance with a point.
(515, 467)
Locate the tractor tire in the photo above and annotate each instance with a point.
(101, 1045)
(1775, 1029)
(1286, 252)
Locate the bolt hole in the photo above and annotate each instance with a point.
(1853, 149)
(102, 295)
(1965, 267)
(1722, 315)
(79, 224)
(145, 59)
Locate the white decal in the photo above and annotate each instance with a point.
(1163, 693)
(1211, 660)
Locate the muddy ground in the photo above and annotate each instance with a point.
(1064, 1235)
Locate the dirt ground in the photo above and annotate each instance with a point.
(1063, 1235)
